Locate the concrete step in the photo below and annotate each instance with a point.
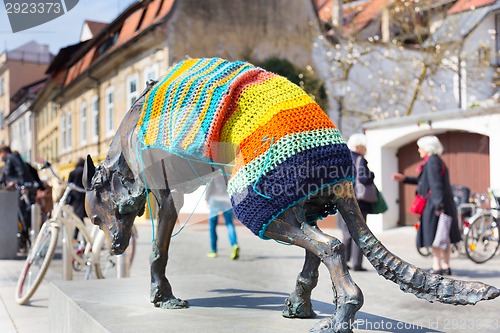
(216, 305)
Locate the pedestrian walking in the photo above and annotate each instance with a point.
(219, 202)
(364, 178)
(434, 190)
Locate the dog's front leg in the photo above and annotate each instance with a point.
(161, 290)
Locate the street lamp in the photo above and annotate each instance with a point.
(339, 90)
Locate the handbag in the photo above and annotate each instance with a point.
(442, 238)
(380, 206)
(363, 192)
(418, 204)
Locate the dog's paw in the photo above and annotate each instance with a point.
(296, 307)
(172, 303)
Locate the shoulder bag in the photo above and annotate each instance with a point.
(418, 204)
(363, 192)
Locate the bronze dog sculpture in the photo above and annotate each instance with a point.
(288, 168)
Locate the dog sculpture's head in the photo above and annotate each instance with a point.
(113, 200)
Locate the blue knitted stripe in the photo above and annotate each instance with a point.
(148, 101)
(174, 92)
(295, 179)
(191, 106)
(216, 92)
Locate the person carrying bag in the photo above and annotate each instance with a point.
(438, 220)
(366, 194)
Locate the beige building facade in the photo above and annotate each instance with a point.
(81, 110)
(23, 65)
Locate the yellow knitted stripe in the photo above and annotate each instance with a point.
(196, 126)
(154, 122)
(259, 103)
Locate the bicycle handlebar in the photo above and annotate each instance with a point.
(73, 186)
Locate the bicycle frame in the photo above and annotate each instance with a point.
(64, 218)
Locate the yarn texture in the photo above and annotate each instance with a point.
(282, 147)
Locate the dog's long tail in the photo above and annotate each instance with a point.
(410, 278)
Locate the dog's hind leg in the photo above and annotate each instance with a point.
(292, 227)
(161, 290)
(298, 304)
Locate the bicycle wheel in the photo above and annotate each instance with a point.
(78, 244)
(37, 263)
(457, 249)
(481, 241)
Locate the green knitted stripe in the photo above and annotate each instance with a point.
(286, 147)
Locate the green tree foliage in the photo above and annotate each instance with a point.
(306, 79)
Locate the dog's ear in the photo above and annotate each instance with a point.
(88, 173)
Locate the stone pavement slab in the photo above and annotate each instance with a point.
(216, 305)
(270, 270)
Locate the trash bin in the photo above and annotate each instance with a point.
(8, 224)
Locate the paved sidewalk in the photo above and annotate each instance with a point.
(274, 267)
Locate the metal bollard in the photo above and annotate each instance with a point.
(66, 256)
(122, 266)
(36, 218)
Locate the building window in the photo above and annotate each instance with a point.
(66, 132)
(63, 132)
(83, 124)
(69, 125)
(95, 118)
(110, 121)
(151, 72)
(2, 86)
(2, 120)
(132, 90)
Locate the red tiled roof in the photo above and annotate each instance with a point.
(129, 28)
(165, 9)
(466, 5)
(80, 66)
(325, 9)
(95, 27)
(371, 11)
(128, 24)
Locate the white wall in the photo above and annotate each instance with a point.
(21, 136)
(385, 138)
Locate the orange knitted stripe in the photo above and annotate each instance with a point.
(284, 123)
(230, 105)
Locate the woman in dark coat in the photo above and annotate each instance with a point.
(434, 182)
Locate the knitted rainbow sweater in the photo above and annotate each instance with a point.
(283, 147)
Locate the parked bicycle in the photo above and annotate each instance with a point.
(89, 251)
(482, 237)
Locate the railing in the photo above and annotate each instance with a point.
(39, 57)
